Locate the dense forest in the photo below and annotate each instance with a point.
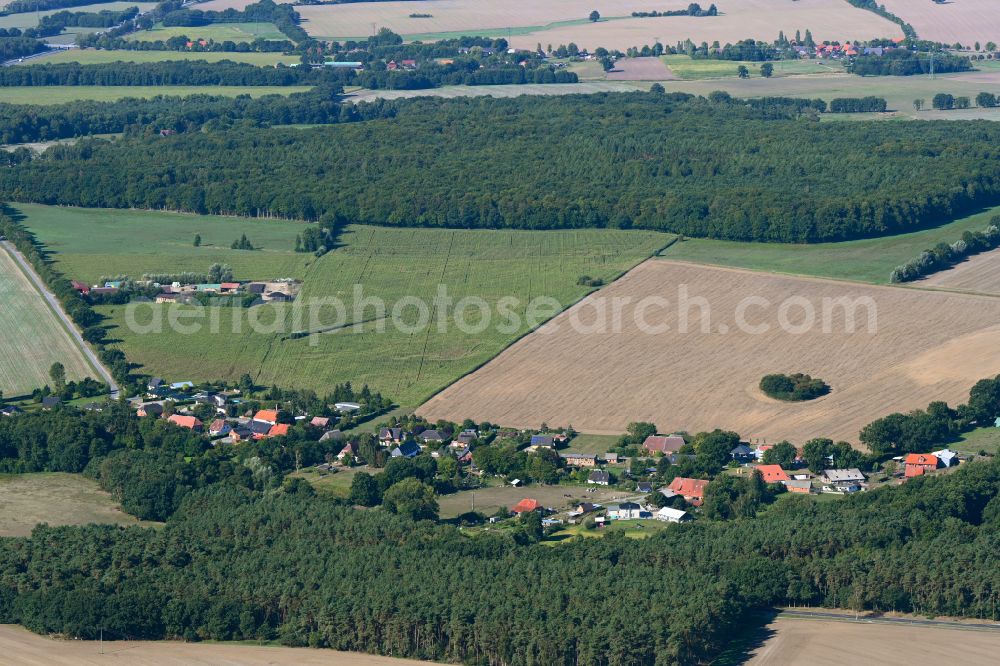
(712, 167)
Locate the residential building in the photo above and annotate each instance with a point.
(189, 422)
(742, 454)
(526, 505)
(611, 458)
(541, 440)
(669, 515)
(335, 435)
(627, 511)
(599, 477)
(319, 422)
(844, 480)
(946, 457)
(803, 486)
(153, 409)
(278, 430)
(663, 444)
(916, 464)
(268, 416)
(406, 450)
(50, 402)
(579, 459)
(219, 427)
(773, 473)
(346, 407)
(387, 436)
(692, 490)
(432, 436)
(644, 487)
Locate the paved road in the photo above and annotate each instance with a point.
(57, 307)
(881, 619)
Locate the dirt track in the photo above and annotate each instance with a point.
(20, 646)
(926, 346)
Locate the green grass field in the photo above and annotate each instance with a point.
(690, 69)
(870, 260)
(34, 338)
(981, 439)
(57, 499)
(219, 32)
(100, 56)
(91, 242)
(30, 19)
(386, 263)
(633, 529)
(66, 94)
(600, 444)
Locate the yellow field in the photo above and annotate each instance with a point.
(926, 345)
(20, 646)
(963, 21)
(33, 338)
(979, 274)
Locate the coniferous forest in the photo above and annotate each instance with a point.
(715, 167)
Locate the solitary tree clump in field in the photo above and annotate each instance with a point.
(595, 16)
(657, 89)
(58, 374)
(197, 240)
(918, 104)
(743, 72)
(766, 70)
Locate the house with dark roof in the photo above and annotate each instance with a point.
(153, 409)
(644, 487)
(742, 454)
(541, 440)
(406, 450)
(388, 436)
(599, 477)
(10, 410)
(432, 436)
(258, 429)
(154, 383)
(334, 435)
(50, 402)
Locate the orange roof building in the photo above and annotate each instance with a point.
(773, 473)
(527, 505)
(189, 422)
(689, 489)
(917, 464)
(278, 430)
(266, 416)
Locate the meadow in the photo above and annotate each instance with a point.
(965, 22)
(30, 19)
(55, 498)
(101, 56)
(219, 32)
(694, 363)
(386, 263)
(868, 260)
(90, 242)
(687, 68)
(65, 94)
(34, 338)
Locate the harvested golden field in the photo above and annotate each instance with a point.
(564, 21)
(20, 646)
(641, 69)
(836, 642)
(979, 274)
(963, 21)
(598, 372)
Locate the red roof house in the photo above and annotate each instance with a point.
(266, 416)
(773, 473)
(663, 444)
(526, 505)
(916, 464)
(319, 421)
(693, 490)
(218, 427)
(81, 287)
(189, 422)
(278, 430)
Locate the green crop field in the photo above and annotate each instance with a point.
(30, 19)
(690, 69)
(386, 263)
(100, 56)
(91, 242)
(219, 32)
(66, 94)
(868, 260)
(34, 338)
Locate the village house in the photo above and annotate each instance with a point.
(611, 458)
(81, 287)
(541, 440)
(50, 402)
(258, 429)
(579, 459)
(268, 416)
(387, 436)
(527, 505)
(347, 407)
(844, 480)
(278, 430)
(319, 422)
(335, 435)
(742, 454)
(692, 490)
(669, 515)
(189, 422)
(773, 473)
(428, 436)
(153, 409)
(801, 486)
(644, 487)
(219, 427)
(406, 450)
(663, 444)
(10, 410)
(627, 511)
(599, 477)
(917, 464)
(946, 457)
(348, 453)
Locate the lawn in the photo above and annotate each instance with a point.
(57, 499)
(407, 364)
(489, 500)
(100, 56)
(633, 529)
(982, 439)
(690, 69)
(34, 337)
(66, 94)
(336, 485)
(218, 32)
(598, 444)
(869, 260)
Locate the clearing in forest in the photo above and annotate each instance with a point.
(33, 337)
(581, 369)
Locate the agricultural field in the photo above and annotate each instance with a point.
(979, 274)
(489, 500)
(640, 69)
(689, 69)
(868, 260)
(64, 94)
(219, 32)
(829, 642)
(962, 21)
(448, 92)
(30, 19)
(90, 242)
(598, 372)
(101, 56)
(34, 336)
(390, 264)
(55, 498)
(21, 646)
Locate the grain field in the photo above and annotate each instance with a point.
(963, 21)
(979, 274)
(598, 372)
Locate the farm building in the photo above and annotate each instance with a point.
(844, 480)
(803, 486)
(773, 474)
(668, 515)
(917, 464)
(527, 505)
(579, 459)
(627, 511)
(663, 444)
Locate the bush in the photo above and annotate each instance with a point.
(793, 388)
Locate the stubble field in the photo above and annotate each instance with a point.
(33, 338)
(979, 274)
(926, 346)
(963, 21)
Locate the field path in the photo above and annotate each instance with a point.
(53, 302)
